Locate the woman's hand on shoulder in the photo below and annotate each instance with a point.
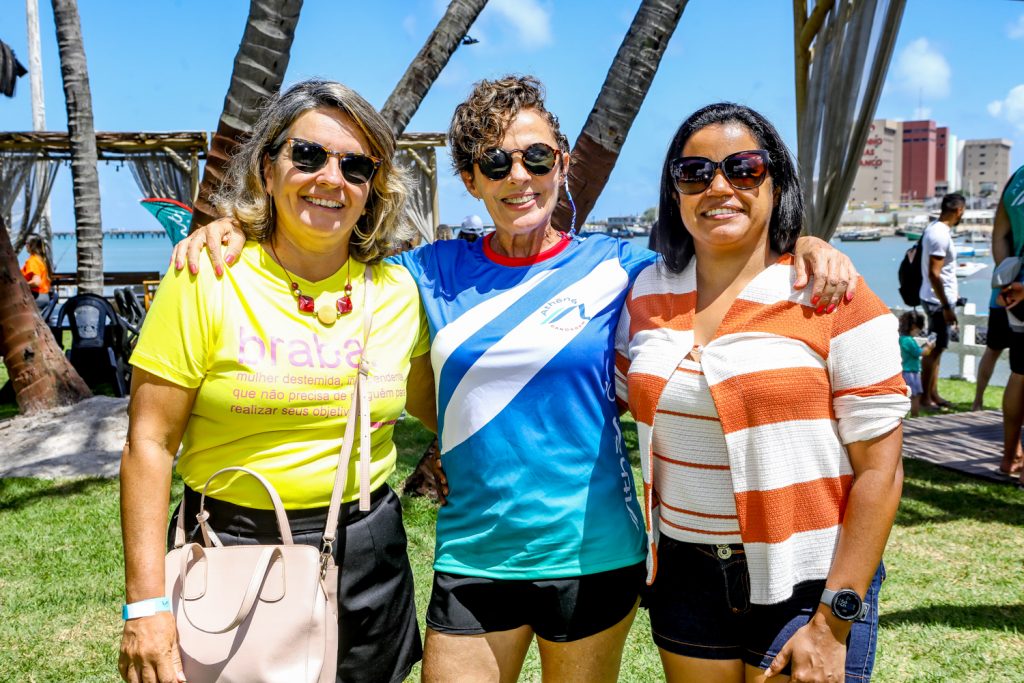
(223, 231)
(833, 271)
(816, 653)
(149, 650)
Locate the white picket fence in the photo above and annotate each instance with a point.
(967, 350)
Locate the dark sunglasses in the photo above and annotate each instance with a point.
(538, 159)
(743, 170)
(310, 157)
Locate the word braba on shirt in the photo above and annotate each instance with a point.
(303, 375)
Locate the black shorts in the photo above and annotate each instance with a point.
(700, 607)
(999, 335)
(379, 639)
(559, 610)
(1017, 352)
(937, 324)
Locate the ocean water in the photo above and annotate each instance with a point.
(878, 262)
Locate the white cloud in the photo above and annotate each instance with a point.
(527, 18)
(1016, 29)
(922, 71)
(922, 113)
(409, 25)
(1011, 108)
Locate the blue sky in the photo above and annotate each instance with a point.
(957, 62)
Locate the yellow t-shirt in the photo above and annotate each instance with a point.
(275, 384)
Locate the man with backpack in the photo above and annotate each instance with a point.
(939, 291)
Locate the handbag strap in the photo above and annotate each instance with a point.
(360, 406)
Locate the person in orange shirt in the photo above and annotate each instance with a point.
(37, 269)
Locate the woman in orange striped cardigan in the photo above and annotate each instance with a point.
(769, 436)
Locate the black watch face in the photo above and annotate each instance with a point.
(846, 604)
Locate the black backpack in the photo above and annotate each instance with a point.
(910, 275)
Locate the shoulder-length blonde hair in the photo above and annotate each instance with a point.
(243, 194)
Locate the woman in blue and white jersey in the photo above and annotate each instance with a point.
(542, 533)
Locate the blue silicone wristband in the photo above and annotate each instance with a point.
(145, 608)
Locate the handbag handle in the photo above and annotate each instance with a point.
(209, 536)
(252, 591)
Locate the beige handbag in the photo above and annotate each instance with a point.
(267, 613)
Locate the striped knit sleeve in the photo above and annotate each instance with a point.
(869, 395)
(622, 354)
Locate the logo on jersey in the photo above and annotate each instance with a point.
(564, 313)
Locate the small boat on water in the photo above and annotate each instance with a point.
(966, 269)
(865, 235)
(912, 235)
(971, 251)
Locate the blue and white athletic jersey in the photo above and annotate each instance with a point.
(523, 357)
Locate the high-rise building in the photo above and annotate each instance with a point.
(986, 166)
(948, 171)
(919, 160)
(879, 177)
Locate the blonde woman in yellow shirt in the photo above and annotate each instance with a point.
(256, 369)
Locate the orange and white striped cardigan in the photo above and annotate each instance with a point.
(790, 386)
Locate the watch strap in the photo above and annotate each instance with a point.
(828, 597)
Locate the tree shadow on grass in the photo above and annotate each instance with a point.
(932, 494)
(970, 617)
(17, 493)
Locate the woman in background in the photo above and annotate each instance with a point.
(38, 269)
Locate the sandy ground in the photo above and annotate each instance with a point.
(74, 441)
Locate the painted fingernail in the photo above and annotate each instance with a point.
(178, 265)
(219, 271)
(193, 268)
(229, 259)
(849, 296)
(815, 299)
(821, 309)
(831, 308)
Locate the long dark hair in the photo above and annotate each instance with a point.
(670, 236)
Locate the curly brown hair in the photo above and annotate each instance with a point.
(480, 122)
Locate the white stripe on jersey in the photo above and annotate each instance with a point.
(498, 376)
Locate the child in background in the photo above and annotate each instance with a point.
(911, 325)
(37, 269)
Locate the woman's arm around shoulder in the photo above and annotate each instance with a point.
(835, 277)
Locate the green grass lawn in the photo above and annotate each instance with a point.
(952, 608)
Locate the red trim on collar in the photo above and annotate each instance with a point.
(501, 260)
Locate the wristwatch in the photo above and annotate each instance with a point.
(846, 604)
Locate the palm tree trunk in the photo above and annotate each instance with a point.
(629, 78)
(41, 375)
(259, 69)
(405, 99)
(85, 182)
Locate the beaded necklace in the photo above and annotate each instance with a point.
(327, 315)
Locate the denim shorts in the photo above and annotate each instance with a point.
(700, 607)
(913, 380)
(559, 610)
